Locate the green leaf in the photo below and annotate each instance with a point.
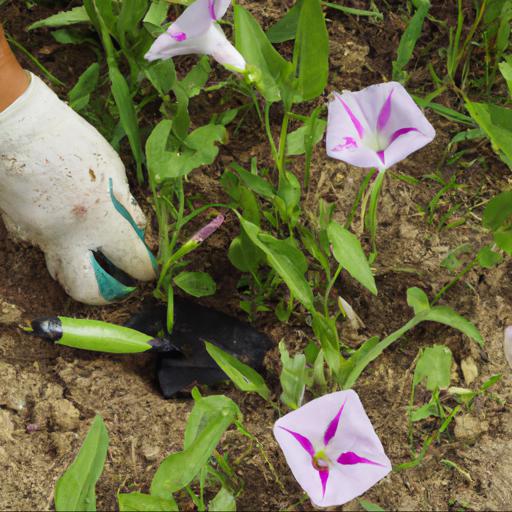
(286, 28)
(311, 52)
(63, 19)
(487, 258)
(285, 260)
(506, 71)
(352, 367)
(348, 252)
(434, 366)
(498, 211)
(224, 501)
(370, 507)
(294, 377)
(425, 411)
(244, 255)
(138, 502)
(496, 122)
(162, 75)
(80, 94)
(206, 410)
(417, 300)
(325, 332)
(445, 315)
(200, 148)
(155, 16)
(503, 239)
(408, 40)
(179, 469)
(196, 78)
(295, 142)
(130, 16)
(197, 284)
(270, 70)
(243, 376)
(157, 158)
(75, 489)
(254, 182)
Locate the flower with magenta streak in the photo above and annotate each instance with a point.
(507, 345)
(208, 230)
(197, 31)
(376, 127)
(332, 449)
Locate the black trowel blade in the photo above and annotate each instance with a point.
(193, 325)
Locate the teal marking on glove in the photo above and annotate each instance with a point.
(126, 215)
(110, 288)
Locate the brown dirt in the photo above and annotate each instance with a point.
(48, 395)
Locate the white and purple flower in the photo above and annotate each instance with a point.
(197, 31)
(376, 127)
(332, 448)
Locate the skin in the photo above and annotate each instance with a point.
(13, 79)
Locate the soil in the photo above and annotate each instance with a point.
(48, 394)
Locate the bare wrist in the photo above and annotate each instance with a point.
(13, 78)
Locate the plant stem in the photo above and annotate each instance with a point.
(372, 211)
(456, 279)
(329, 288)
(282, 143)
(360, 193)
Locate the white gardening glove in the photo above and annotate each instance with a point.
(64, 189)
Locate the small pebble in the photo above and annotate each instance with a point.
(469, 370)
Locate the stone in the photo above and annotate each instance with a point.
(469, 370)
(9, 313)
(63, 442)
(150, 451)
(6, 426)
(469, 428)
(64, 415)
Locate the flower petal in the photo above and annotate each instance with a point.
(333, 426)
(194, 21)
(303, 440)
(351, 458)
(401, 131)
(218, 8)
(324, 477)
(507, 345)
(385, 113)
(213, 42)
(343, 141)
(354, 434)
(355, 121)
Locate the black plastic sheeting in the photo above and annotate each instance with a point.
(194, 324)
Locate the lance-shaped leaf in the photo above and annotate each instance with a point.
(311, 52)
(348, 252)
(76, 488)
(243, 376)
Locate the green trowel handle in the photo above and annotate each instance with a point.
(93, 335)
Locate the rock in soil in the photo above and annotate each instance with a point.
(65, 416)
(469, 370)
(6, 427)
(469, 429)
(9, 313)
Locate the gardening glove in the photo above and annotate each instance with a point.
(64, 189)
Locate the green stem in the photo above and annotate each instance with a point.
(456, 279)
(268, 130)
(329, 288)
(360, 193)
(282, 142)
(372, 211)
